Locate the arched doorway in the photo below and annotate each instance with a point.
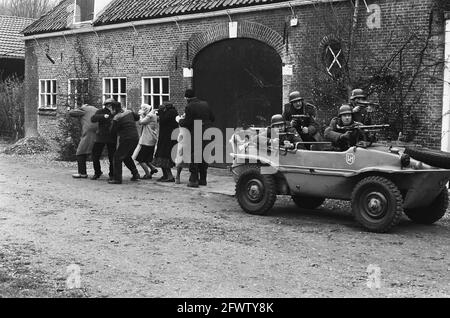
(242, 81)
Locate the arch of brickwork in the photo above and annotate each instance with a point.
(245, 29)
(186, 52)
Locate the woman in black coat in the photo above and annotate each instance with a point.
(163, 157)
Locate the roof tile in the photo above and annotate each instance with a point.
(11, 43)
(119, 11)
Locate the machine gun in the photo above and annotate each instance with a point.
(364, 103)
(301, 120)
(368, 128)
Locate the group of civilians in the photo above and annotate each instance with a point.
(145, 136)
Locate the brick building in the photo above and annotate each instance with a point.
(243, 56)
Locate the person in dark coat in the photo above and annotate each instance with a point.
(88, 131)
(103, 138)
(124, 127)
(163, 156)
(197, 109)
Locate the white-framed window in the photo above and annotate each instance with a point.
(333, 58)
(155, 90)
(78, 91)
(47, 93)
(115, 87)
(84, 11)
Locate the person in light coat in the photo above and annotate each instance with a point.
(148, 122)
(88, 136)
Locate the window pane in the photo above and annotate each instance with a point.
(42, 86)
(156, 101)
(116, 97)
(48, 86)
(42, 100)
(165, 98)
(147, 100)
(156, 86)
(146, 85)
(165, 86)
(53, 100)
(48, 101)
(85, 86)
(53, 86)
(123, 85)
(107, 86)
(115, 85)
(123, 101)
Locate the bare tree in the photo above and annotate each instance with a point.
(26, 8)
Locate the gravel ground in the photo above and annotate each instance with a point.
(143, 239)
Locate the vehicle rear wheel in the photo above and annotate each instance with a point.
(377, 204)
(256, 193)
(432, 213)
(307, 202)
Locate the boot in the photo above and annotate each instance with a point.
(193, 184)
(135, 177)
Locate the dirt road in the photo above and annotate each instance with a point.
(145, 239)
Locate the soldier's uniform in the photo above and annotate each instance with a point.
(343, 136)
(360, 111)
(309, 121)
(288, 134)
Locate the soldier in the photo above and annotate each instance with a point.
(341, 131)
(302, 117)
(288, 135)
(362, 109)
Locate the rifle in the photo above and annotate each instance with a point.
(364, 103)
(365, 127)
(303, 120)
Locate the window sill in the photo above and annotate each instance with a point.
(47, 111)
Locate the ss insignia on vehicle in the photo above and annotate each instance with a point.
(350, 158)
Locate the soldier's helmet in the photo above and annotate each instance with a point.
(276, 119)
(345, 109)
(357, 93)
(294, 96)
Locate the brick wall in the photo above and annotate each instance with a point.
(164, 49)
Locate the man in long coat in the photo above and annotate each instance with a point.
(88, 135)
(197, 109)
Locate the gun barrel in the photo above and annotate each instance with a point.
(366, 103)
(373, 126)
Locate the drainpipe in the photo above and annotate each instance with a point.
(445, 141)
(352, 42)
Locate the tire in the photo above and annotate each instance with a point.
(377, 204)
(255, 192)
(435, 158)
(307, 202)
(432, 213)
(238, 170)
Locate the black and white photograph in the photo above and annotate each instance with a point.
(221, 156)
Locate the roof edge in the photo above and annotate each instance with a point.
(178, 18)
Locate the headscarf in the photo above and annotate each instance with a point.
(145, 109)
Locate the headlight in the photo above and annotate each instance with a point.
(405, 160)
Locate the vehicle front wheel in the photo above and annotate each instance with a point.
(307, 202)
(377, 203)
(256, 193)
(432, 213)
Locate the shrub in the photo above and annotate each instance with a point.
(69, 129)
(12, 108)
